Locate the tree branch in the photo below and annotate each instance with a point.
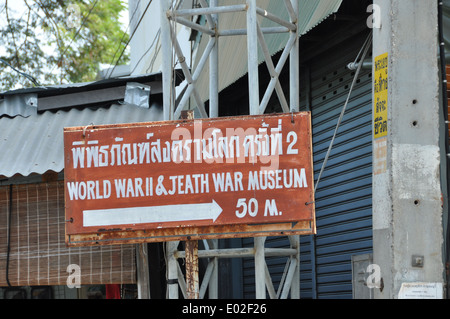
(12, 34)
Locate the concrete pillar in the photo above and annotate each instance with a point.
(407, 204)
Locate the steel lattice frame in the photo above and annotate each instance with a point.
(255, 36)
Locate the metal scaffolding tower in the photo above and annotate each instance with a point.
(170, 15)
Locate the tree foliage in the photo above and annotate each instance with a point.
(59, 41)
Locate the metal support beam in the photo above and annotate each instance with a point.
(252, 57)
(194, 78)
(214, 279)
(295, 285)
(289, 282)
(294, 70)
(260, 268)
(172, 270)
(210, 10)
(255, 35)
(167, 63)
(273, 74)
(214, 68)
(240, 252)
(207, 280)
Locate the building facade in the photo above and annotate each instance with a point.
(338, 41)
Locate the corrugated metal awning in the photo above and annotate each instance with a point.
(35, 144)
(233, 49)
(28, 101)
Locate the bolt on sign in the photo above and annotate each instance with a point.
(190, 179)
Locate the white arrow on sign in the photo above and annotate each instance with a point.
(152, 214)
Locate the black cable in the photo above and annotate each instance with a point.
(9, 236)
(131, 37)
(150, 47)
(76, 33)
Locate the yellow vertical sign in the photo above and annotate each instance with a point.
(380, 98)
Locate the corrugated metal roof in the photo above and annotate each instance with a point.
(20, 104)
(29, 101)
(233, 49)
(35, 144)
(50, 90)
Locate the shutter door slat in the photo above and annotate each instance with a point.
(344, 195)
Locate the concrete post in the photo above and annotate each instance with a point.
(407, 205)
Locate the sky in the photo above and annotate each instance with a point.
(20, 8)
(17, 9)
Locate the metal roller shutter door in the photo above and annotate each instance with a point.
(344, 195)
(38, 254)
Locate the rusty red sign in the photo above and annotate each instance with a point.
(208, 178)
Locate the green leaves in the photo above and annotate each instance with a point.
(59, 41)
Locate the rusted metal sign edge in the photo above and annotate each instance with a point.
(228, 119)
(192, 233)
(298, 224)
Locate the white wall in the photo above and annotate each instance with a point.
(145, 44)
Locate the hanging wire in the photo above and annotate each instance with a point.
(154, 42)
(364, 50)
(76, 33)
(126, 31)
(29, 77)
(129, 40)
